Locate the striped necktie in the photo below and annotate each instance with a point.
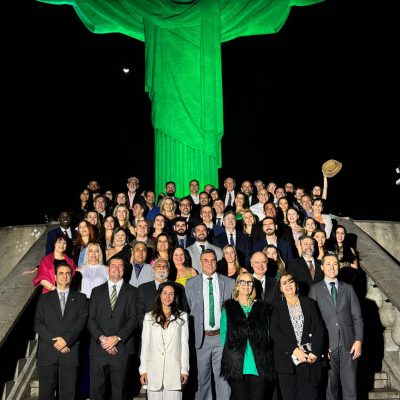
(113, 297)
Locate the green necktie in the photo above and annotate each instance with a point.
(113, 297)
(211, 303)
(333, 292)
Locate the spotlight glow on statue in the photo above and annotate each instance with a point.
(183, 70)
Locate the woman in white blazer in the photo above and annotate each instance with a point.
(164, 358)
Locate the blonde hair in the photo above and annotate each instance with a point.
(252, 295)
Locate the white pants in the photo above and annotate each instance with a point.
(164, 394)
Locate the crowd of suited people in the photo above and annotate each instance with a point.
(222, 294)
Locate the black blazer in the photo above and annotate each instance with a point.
(49, 323)
(120, 322)
(299, 269)
(269, 294)
(147, 294)
(284, 338)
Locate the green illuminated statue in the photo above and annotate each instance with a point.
(183, 70)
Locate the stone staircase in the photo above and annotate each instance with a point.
(18, 389)
(381, 389)
(25, 385)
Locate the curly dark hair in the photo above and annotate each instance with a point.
(158, 313)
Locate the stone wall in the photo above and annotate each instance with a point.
(15, 241)
(385, 233)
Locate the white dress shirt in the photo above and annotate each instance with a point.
(217, 308)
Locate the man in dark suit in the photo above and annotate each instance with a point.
(60, 317)
(64, 219)
(247, 189)
(229, 194)
(112, 321)
(341, 312)
(265, 285)
(181, 235)
(306, 269)
(269, 227)
(238, 239)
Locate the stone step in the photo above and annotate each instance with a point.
(34, 392)
(380, 375)
(386, 394)
(34, 387)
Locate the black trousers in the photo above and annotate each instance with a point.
(252, 387)
(303, 385)
(109, 371)
(57, 377)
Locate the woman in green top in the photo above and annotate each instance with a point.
(244, 328)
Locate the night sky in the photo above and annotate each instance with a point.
(295, 99)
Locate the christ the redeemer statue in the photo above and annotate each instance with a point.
(183, 69)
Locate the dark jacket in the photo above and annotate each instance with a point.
(50, 323)
(255, 328)
(120, 322)
(284, 338)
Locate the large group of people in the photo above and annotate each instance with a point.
(220, 294)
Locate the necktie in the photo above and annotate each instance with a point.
(203, 247)
(229, 199)
(218, 221)
(312, 269)
(62, 302)
(231, 241)
(181, 243)
(211, 302)
(138, 269)
(333, 292)
(113, 297)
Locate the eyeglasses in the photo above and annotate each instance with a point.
(245, 283)
(289, 282)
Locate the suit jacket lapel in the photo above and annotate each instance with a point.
(57, 304)
(200, 293)
(286, 317)
(340, 294)
(327, 294)
(172, 330)
(307, 320)
(70, 300)
(221, 285)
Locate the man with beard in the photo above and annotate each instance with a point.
(269, 227)
(201, 244)
(181, 236)
(170, 190)
(306, 269)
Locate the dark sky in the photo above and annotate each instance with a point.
(295, 99)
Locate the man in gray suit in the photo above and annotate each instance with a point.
(201, 244)
(205, 294)
(341, 312)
